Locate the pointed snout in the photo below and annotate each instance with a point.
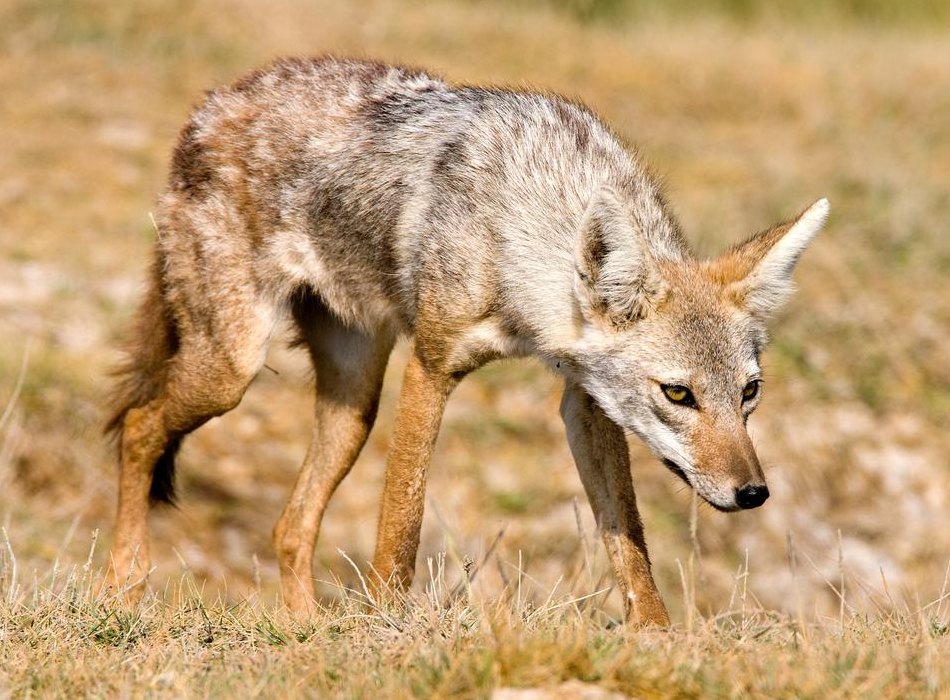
(733, 477)
(753, 492)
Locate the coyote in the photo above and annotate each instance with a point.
(368, 202)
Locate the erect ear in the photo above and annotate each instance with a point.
(758, 273)
(616, 280)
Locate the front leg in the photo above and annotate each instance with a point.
(418, 416)
(603, 460)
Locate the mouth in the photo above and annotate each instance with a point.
(723, 509)
(681, 473)
(676, 469)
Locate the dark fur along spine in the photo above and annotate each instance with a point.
(141, 376)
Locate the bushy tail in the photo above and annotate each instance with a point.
(141, 377)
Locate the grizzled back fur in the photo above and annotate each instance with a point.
(364, 181)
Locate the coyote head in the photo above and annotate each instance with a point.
(670, 347)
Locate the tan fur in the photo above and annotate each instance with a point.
(736, 263)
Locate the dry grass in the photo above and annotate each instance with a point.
(59, 640)
(748, 115)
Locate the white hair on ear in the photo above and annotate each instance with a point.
(616, 278)
(769, 284)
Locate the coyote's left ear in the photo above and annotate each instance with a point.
(758, 273)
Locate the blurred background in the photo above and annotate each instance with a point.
(748, 110)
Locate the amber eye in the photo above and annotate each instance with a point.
(678, 394)
(751, 390)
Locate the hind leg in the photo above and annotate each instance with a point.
(221, 327)
(349, 366)
(202, 383)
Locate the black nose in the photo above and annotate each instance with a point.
(751, 496)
